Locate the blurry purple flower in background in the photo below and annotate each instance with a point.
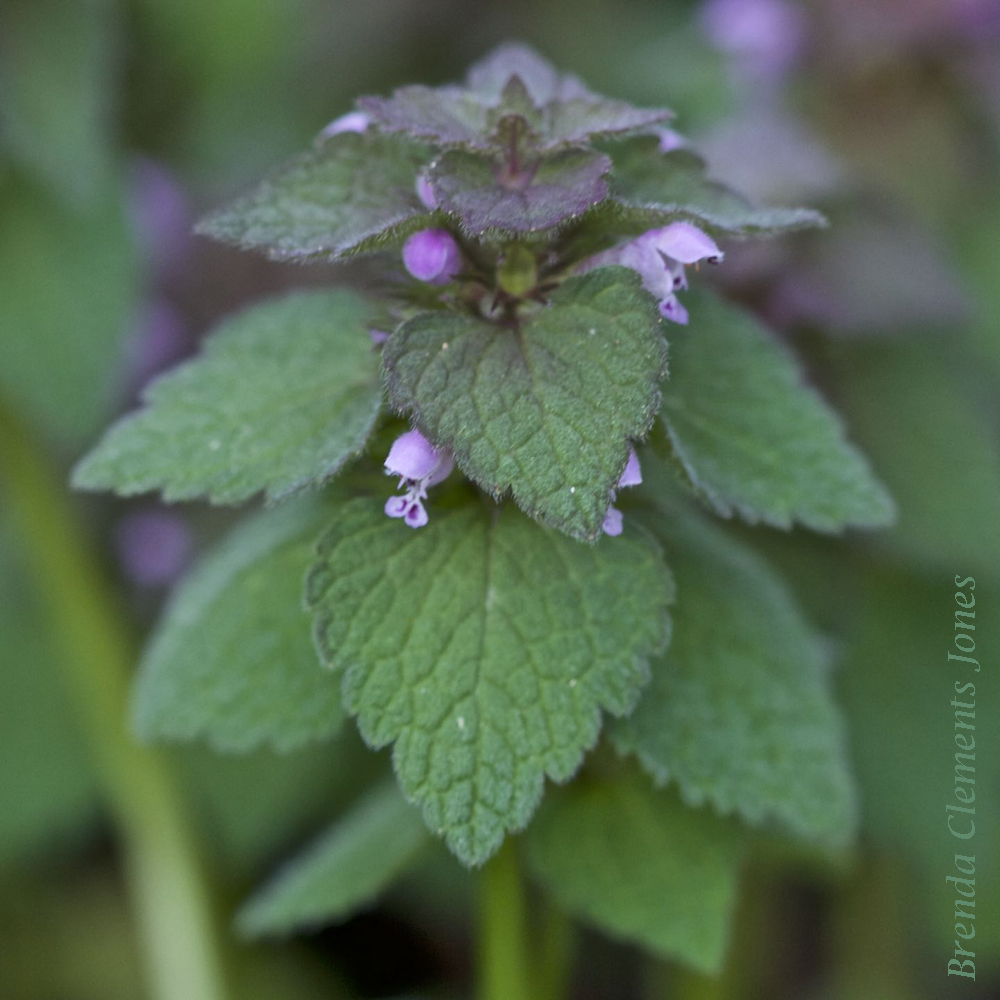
(978, 18)
(378, 336)
(769, 155)
(432, 255)
(159, 340)
(152, 546)
(162, 217)
(764, 37)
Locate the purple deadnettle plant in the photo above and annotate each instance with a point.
(487, 485)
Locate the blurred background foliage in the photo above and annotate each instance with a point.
(121, 120)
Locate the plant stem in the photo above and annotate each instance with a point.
(179, 936)
(555, 957)
(503, 961)
(865, 964)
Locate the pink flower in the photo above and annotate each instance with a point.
(766, 36)
(632, 476)
(419, 465)
(613, 522)
(353, 121)
(669, 140)
(659, 257)
(432, 255)
(153, 546)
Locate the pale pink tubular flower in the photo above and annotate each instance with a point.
(419, 465)
(659, 257)
(669, 140)
(353, 121)
(432, 255)
(632, 476)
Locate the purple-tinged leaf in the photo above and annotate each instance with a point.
(483, 194)
(446, 115)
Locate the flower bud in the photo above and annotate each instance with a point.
(518, 271)
(432, 255)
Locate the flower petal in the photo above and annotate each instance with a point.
(396, 506)
(612, 522)
(412, 456)
(686, 243)
(353, 121)
(416, 515)
(632, 476)
(673, 309)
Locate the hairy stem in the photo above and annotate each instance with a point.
(179, 936)
(503, 960)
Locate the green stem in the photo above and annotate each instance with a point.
(557, 943)
(179, 935)
(866, 964)
(503, 960)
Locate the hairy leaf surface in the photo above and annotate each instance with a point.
(232, 660)
(280, 398)
(753, 438)
(485, 648)
(546, 410)
(635, 862)
(354, 193)
(563, 185)
(740, 712)
(678, 181)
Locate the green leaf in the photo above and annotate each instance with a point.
(546, 409)
(354, 194)
(641, 866)
(567, 112)
(739, 713)
(55, 90)
(613, 219)
(485, 647)
(560, 186)
(447, 116)
(281, 397)
(232, 661)
(649, 189)
(512, 82)
(678, 182)
(68, 284)
(344, 871)
(580, 119)
(752, 438)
